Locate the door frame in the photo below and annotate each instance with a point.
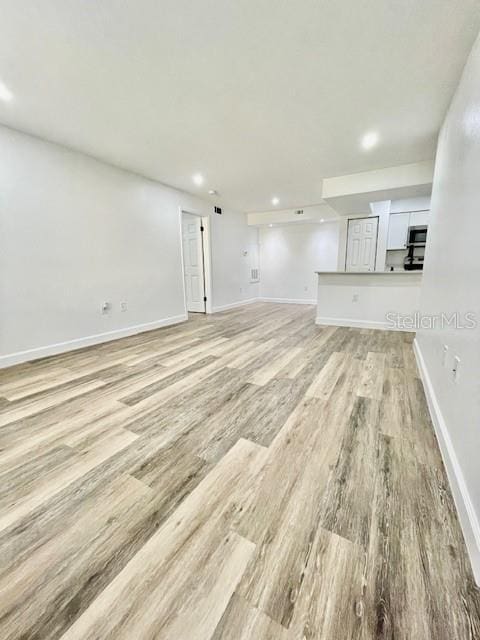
(376, 239)
(207, 262)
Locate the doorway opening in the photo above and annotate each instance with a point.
(195, 262)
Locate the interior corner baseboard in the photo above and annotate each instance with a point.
(232, 305)
(87, 341)
(287, 300)
(466, 512)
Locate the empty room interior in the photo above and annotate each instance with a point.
(240, 320)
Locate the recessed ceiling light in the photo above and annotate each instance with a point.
(198, 179)
(369, 140)
(270, 225)
(322, 219)
(213, 192)
(275, 201)
(5, 94)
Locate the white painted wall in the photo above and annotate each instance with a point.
(75, 232)
(451, 283)
(406, 175)
(232, 243)
(289, 257)
(372, 300)
(422, 203)
(312, 214)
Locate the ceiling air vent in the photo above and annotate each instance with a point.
(299, 212)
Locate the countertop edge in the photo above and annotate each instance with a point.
(369, 273)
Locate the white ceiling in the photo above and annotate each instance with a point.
(264, 97)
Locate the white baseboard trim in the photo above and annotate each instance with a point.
(79, 343)
(287, 300)
(359, 324)
(466, 512)
(232, 305)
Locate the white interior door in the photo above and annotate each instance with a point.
(193, 262)
(362, 244)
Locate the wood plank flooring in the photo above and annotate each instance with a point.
(241, 476)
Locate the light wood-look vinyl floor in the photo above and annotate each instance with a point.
(241, 476)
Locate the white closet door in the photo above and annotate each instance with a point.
(193, 262)
(362, 244)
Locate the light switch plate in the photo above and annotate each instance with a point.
(455, 369)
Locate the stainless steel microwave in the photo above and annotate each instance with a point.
(417, 236)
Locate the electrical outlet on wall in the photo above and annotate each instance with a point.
(355, 297)
(123, 306)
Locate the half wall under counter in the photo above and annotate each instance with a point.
(368, 299)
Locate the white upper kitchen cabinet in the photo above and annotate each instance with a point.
(398, 227)
(398, 230)
(419, 218)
